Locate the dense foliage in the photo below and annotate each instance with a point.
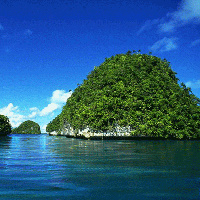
(27, 127)
(5, 127)
(136, 90)
(54, 125)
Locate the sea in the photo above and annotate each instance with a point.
(59, 168)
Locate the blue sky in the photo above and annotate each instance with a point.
(48, 47)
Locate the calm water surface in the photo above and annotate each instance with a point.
(45, 167)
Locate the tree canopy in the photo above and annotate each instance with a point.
(54, 125)
(27, 127)
(5, 127)
(136, 90)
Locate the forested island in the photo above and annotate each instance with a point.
(5, 126)
(27, 127)
(132, 94)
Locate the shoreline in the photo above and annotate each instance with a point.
(127, 138)
(87, 135)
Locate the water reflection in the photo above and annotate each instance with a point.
(4, 149)
(43, 167)
(5, 141)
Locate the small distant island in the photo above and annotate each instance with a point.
(27, 127)
(130, 95)
(5, 126)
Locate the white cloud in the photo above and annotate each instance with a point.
(193, 84)
(49, 109)
(189, 11)
(147, 25)
(196, 42)
(168, 27)
(34, 109)
(8, 109)
(60, 96)
(12, 112)
(43, 129)
(165, 44)
(56, 102)
(33, 114)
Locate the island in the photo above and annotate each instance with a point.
(5, 126)
(27, 127)
(129, 96)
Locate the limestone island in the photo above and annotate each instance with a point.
(130, 95)
(27, 127)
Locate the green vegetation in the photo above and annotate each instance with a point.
(136, 90)
(27, 127)
(5, 127)
(54, 125)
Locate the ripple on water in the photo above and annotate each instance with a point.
(43, 167)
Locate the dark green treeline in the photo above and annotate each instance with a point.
(5, 126)
(136, 90)
(27, 127)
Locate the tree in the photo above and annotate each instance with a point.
(5, 127)
(54, 125)
(27, 127)
(136, 90)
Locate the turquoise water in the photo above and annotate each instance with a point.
(47, 167)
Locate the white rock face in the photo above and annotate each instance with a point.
(88, 133)
(53, 133)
